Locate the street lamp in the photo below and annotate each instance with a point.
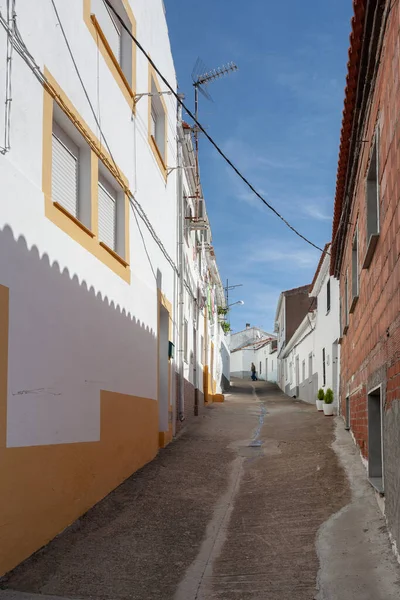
(233, 304)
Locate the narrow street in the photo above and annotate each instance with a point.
(250, 502)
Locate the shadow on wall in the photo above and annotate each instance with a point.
(81, 414)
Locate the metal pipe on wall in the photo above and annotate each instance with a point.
(181, 274)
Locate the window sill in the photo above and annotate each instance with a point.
(115, 62)
(114, 254)
(327, 312)
(373, 240)
(377, 484)
(73, 219)
(353, 304)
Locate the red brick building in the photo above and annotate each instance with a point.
(366, 246)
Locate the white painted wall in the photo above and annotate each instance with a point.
(241, 359)
(75, 326)
(327, 329)
(300, 347)
(318, 330)
(266, 358)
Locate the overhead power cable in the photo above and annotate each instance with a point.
(209, 138)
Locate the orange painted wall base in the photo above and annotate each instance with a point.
(46, 488)
(218, 398)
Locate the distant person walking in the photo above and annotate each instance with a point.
(253, 372)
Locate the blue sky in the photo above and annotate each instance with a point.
(278, 118)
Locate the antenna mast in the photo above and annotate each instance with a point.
(199, 83)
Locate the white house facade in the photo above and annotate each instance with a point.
(90, 265)
(264, 356)
(203, 356)
(310, 358)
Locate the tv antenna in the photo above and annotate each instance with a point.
(202, 77)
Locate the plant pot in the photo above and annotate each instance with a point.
(320, 405)
(328, 410)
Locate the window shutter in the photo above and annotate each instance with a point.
(109, 25)
(107, 215)
(65, 173)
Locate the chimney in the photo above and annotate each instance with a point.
(247, 325)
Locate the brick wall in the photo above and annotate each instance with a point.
(371, 345)
(393, 385)
(370, 352)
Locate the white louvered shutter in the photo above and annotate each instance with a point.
(110, 26)
(64, 177)
(107, 214)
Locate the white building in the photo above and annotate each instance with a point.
(203, 357)
(89, 260)
(248, 335)
(293, 306)
(263, 353)
(310, 358)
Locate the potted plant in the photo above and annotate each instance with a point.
(320, 400)
(328, 403)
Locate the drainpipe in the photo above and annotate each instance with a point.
(195, 371)
(181, 395)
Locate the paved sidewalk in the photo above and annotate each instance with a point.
(251, 502)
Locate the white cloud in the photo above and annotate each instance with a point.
(316, 212)
(278, 255)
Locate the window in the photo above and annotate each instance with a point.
(354, 271)
(111, 212)
(65, 171)
(202, 358)
(286, 370)
(328, 296)
(303, 368)
(323, 368)
(70, 171)
(110, 26)
(81, 196)
(114, 41)
(185, 340)
(372, 205)
(157, 124)
(272, 365)
(310, 368)
(260, 367)
(107, 213)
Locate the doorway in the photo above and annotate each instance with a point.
(266, 369)
(163, 369)
(375, 450)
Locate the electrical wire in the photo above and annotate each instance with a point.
(209, 138)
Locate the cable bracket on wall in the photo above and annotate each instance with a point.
(137, 97)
